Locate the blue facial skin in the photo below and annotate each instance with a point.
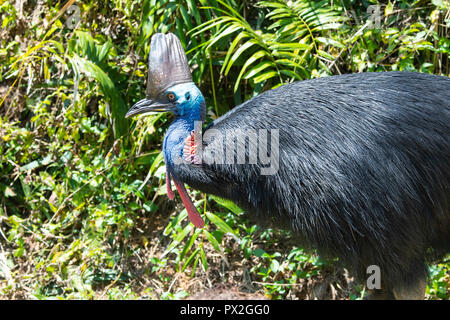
(190, 107)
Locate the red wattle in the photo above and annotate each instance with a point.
(169, 187)
(193, 214)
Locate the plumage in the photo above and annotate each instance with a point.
(363, 167)
(167, 64)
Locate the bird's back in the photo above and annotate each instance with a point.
(362, 157)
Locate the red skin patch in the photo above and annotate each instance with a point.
(193, 214)
(170, 193)
(190, 153)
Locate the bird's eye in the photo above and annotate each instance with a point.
(171, 97)
(188, 96)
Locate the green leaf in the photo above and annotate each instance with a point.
(235, 42)
(259, 252)
(228, 204)
(193, 9)
(186, 17)
(257, 55)
(389, 9)
(104, 50)
(189, 244)
(37, 163)
(213, 241)
(203, 258)
(291, 46)
(223, 33)
(178, 239)
(258, 68)
(219, 223)
(238, 52)
(156, 163)
(325, 55)
(291, 74)
(265, 76)
(118, 108)
(331, 42)
(190, 259)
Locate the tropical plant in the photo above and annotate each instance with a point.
(83, 212)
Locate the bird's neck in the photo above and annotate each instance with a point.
(173, 146)
(175, 137)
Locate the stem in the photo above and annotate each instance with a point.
(212, 84)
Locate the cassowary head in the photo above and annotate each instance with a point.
(170, 88)
(169, 84)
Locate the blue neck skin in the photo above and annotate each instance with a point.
(190, 108)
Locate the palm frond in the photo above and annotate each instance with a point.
(298, 29)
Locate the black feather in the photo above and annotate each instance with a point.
(364, 168)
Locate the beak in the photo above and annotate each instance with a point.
(146, 105)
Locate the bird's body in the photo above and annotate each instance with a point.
(364, 167)
(362, 172)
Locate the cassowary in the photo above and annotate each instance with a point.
(357, 166)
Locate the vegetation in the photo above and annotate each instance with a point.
(83, 210)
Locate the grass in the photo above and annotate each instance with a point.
(83, 210)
